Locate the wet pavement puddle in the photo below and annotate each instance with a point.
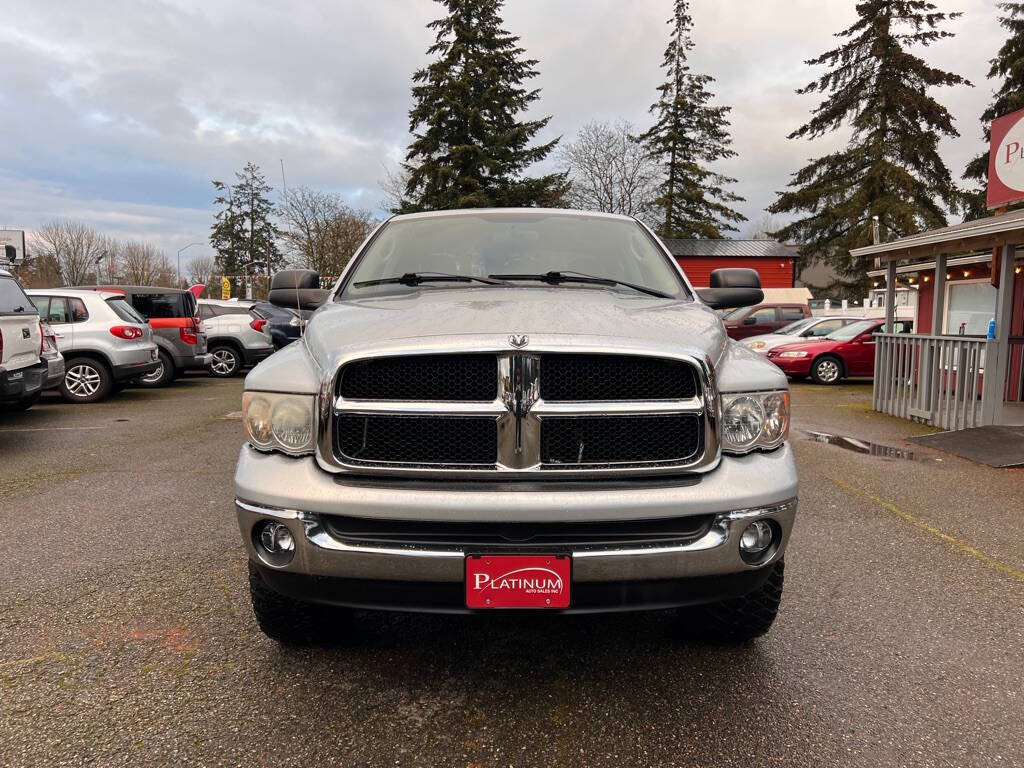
(867, 448)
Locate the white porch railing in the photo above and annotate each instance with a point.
(936, 379)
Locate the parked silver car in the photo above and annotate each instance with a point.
(236, 337)
(516, 409)
(798, 330)
(22, 372)
(104, 341)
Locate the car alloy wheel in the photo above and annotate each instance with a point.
(827, 371)
(224, 362)
(82, 380)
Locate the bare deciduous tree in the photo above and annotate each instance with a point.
(140, 262)
(321, 231)
(73, 248)
(200, 270)
(393, 185)
(608, 171)
(763, 228)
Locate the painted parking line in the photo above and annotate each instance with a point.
(924, 525)
(46, 429)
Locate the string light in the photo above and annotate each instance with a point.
(967, 273)
(1016, 270)
(925, 278)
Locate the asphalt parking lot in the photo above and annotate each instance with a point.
(127, 636)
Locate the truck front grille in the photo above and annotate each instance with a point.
(520, 411)
(582, 441)
(471, 378)
(417, 440)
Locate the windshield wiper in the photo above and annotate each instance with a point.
(569, 276)
(416, 278)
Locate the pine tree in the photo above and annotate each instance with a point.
(891, 167)
(469, 149)
(689, 134)
(243, 234)
(227, 235)
(1009, 65)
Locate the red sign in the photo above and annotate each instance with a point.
(1006, 161)
(518, 581)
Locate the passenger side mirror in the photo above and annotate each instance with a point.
(296, 289)
(731, 288)
(749, 320)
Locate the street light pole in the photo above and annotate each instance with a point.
(98, 260)
(178, 271)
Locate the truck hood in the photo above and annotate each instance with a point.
(543, 313)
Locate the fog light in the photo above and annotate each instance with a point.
(756, 539)
(276, 541)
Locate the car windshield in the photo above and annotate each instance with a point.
(852, 330)
(794, 328)
(471, 246)
(735, 314)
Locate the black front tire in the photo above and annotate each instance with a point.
(738, 619)
(86, 380)
(162, 376)
(290, 621)
(827, 369)
(225, 361)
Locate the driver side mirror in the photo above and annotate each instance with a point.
(296, 289)
(732, 288)
(749, 320)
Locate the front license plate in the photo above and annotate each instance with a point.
(518, 581)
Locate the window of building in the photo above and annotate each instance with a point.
(970, 304)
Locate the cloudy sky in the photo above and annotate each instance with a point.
(120, 112)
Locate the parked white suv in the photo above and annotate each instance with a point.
(104, 341)
(236, 337)
(22, 372)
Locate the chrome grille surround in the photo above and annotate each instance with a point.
(518, 439)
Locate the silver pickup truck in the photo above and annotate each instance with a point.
(531, 409)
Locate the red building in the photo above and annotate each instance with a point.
(775, 262)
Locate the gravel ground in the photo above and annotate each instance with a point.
(127, 636)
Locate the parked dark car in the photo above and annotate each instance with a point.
(764, 318)
(285, 325)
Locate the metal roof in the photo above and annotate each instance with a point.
(758, 249)
(947, 238)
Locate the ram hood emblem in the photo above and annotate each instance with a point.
(519, 341)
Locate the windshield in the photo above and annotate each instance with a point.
(475, 245)
(852, 330)
(794, 328)
(735, 314)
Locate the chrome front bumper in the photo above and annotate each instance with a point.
(296, 492)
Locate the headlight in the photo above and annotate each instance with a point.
(280, 422)
(794, 353)
(754, 420)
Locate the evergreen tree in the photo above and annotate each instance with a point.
(469, 149)
(243, 234)
(1009, 65)
(688, 134)
(891, 167)
(227, 235)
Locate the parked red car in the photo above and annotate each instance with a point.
(763, 318)
(849, 351)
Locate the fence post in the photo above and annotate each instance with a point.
(991, 387)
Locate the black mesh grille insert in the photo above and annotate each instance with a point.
(369, 532)
(614, 377)
(588, 440)
(421, 377)
(437, 440)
